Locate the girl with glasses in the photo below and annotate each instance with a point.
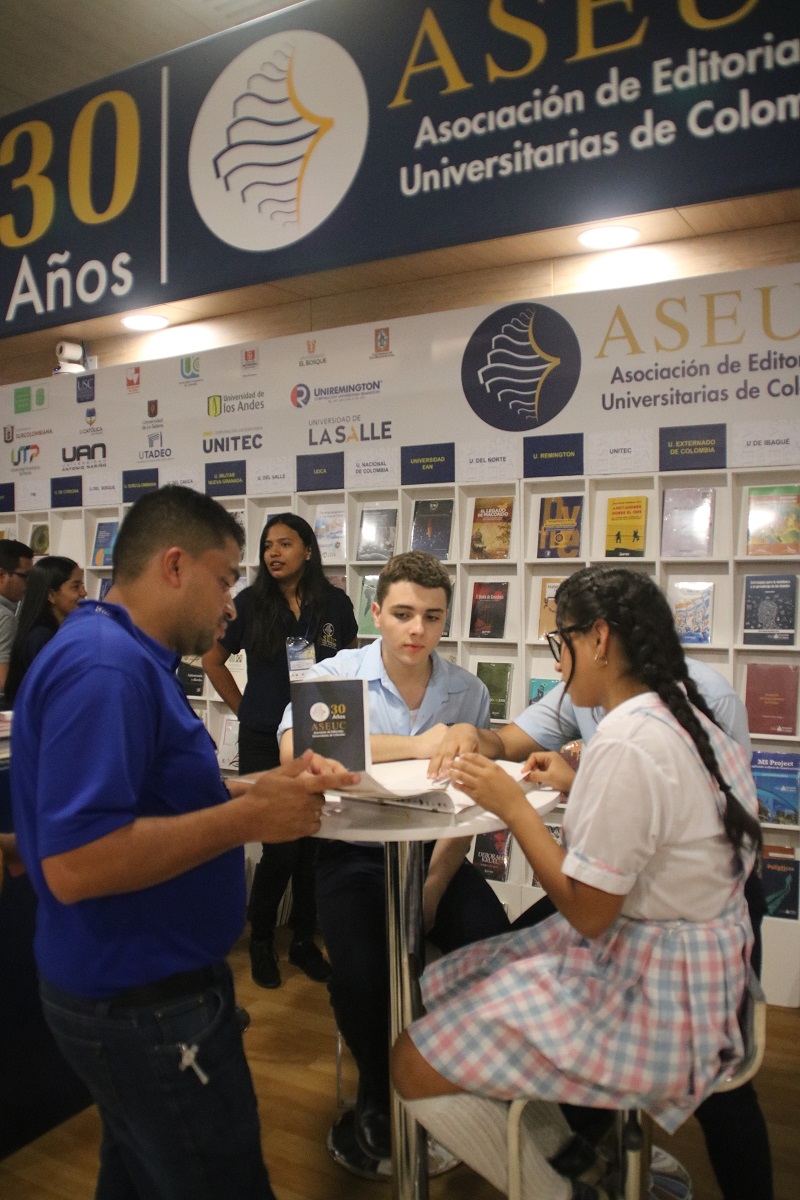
(629, 995)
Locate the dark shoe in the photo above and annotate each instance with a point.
(264, 964)
(242, 1018)
(373, 1130)
(308, 957)
(345, 1151)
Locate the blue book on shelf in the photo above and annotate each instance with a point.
(777, 779)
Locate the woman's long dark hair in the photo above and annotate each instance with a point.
(271, 612)
(45, 576)
(639, 615)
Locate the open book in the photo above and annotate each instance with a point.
(407, 783)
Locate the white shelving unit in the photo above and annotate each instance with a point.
(72, 532)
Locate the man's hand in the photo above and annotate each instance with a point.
(550, 768)
(292, 796)
(452, 741)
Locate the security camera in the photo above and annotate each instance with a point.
(71, 358)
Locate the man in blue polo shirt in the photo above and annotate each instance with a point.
(413, 695)
(134, 847)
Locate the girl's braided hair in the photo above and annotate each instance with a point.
(639, 615)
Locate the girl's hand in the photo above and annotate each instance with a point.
(488, 785)
(551, 769)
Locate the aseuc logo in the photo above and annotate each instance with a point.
(278, 140)
(521, 367)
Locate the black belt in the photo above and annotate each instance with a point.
(171, 988)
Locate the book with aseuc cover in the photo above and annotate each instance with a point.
(771, 698)
(770, 605)
(431, 527)
(488, 615)
(491, 527)
(626, 526)
(497, 678)
(687, 523)
(331, 717)
(773, 520)
(560, 519)
(777, 779)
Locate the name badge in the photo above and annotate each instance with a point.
(300, 657)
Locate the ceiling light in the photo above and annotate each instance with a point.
(608, 237)
(144, 324)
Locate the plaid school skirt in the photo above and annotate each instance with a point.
(645, 1015)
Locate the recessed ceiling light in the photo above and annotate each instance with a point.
(144, 323)
(608, 237)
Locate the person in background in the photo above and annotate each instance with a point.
(133, 845)
(16, 560)
(413, 692)
(53, 589)
(290, 618)
(628, 996)
(9, 857)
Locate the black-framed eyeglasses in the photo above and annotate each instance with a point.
(555, 641)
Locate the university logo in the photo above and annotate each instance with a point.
(300, 395)
(24, 455)
(91, 416)
(255, 185)
(133, 378)
(84, 389)
(521, 367)
(215, 406)
(152, 408)
(8, 433)
(249, 357)
(190, 367)
(311, 345)
(22, 399)
(382, 341)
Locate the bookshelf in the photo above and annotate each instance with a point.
(72, 532)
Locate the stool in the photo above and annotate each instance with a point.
(634, 1128)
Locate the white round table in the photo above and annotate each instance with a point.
(403, 831)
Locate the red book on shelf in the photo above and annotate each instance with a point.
(771, 698)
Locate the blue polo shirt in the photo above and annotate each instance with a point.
(452, 694)
(554, 719)
(103, 734)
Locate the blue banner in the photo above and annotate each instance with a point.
(692, 447)
(560, 454)
(428, 464)
(6, 497)
(66, 492)
(226, 478)
(136, 483)
(320, 472)
(329, 134)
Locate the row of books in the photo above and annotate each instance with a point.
(687, 526)
(773, 527)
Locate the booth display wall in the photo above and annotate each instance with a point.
(687, 383)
